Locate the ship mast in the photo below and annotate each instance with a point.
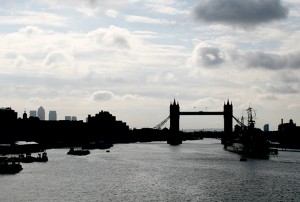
(251, 117)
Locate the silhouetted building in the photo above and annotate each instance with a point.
(287, 127)
(41, 113)
(25, 115)
(32, 113)
(266, 128)
(68, 118)
(74, 118)
(104, 125)
(8, 114)
(8, 119)
(289, 134)
(52, 116)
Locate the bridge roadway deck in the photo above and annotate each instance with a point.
(201, 113)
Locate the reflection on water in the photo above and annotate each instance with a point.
(194, 171)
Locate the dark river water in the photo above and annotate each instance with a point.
(194, 171)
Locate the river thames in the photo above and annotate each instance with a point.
(194, 171)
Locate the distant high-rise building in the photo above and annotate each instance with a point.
(68, 118)
(52, 116)
(32, 113)
(74, 118)
(266, 128)
(41, 113)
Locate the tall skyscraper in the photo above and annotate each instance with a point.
(41, 113)
(32, 113)
(266, 128)
(52, 116)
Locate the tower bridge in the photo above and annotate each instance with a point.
(175, 113)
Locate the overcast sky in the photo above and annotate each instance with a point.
(132, 57)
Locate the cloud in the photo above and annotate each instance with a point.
(166, 77)
(166, 9)
(112, 13)
(103, 95)
(287, 77)
(281, 89)
(20, 61)
(265, 60)
(272, 61)
(113, 36)
(87, 7)
(31, 30)
(55, 58)
(59, 64)
(293, 106)
(34, 18)
(269, 97)
(144, 19)
(207, 56)
(242, 13)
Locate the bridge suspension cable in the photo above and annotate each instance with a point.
(239, 122)
(158, 126)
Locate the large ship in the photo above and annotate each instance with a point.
(248, 141)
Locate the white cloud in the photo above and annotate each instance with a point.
(113, 36)
(31, 30)
(112, 13)
(294, 107)
(166, 9)
(34, 18)
(105, 95)
(144, 19)
(58, 57)
(87, 7)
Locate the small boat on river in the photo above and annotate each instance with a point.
(7, 167)
(78, 152)
(42, 158)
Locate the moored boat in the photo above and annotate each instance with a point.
(79, 152)
(248, 141)
(42, 158)
(28, 158)
(7, 167)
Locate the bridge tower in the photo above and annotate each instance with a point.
(174, 117)
(228, 113)
(174, 136)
